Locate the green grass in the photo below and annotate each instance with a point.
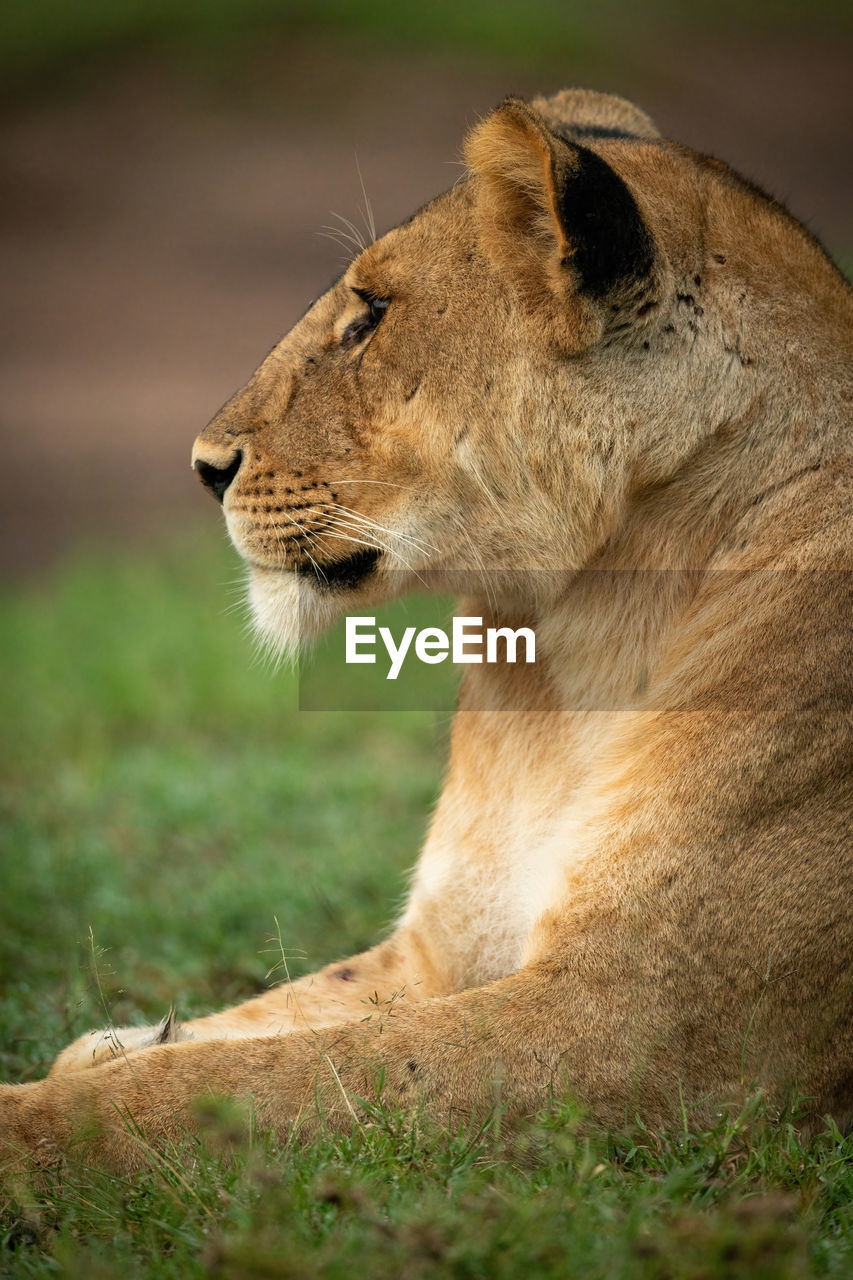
(163, 792)
(160, 788)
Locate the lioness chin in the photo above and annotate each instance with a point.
(605, 382)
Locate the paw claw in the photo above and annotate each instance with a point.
(165, 1028)
(97, 1047)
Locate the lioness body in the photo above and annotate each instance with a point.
(614, 377)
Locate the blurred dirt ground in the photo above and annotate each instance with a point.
(159, 233)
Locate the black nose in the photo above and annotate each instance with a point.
(218, 478)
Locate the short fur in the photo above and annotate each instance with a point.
(616, 376)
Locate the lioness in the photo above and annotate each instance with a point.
(615, 376)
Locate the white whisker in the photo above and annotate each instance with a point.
(367, 212)
(479, 563)
(387, 483)
(377, 545)
(309, 538)
(328, 235)
(486, 490)
(349, 230)
(368, 525)
(340, 237)
(415, 542)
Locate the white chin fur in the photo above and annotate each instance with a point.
(289, 612)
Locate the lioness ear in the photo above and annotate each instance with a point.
(558, 219)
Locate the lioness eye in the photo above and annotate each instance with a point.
(363, 325)
(377, 307)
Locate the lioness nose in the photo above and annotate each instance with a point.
(216, 471)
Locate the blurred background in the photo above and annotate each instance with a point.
(171, 830)
(168, 166)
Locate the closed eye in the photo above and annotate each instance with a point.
(360, 328)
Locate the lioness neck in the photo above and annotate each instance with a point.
(600, 643)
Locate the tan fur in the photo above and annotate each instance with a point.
(637, 883)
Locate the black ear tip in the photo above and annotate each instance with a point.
(600, 217)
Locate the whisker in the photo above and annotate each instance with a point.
(346, 248)
(382, 545)
(347, 222)
(389, 483)
(377, 544)
(350, 230)
(339, 237)
(331, 508)
(490, 597)
(486, 490)
(356, 524)
(391, 551)
(368, 210)
(415, 542)
(237, 606)
(370, 525)
(308, 538)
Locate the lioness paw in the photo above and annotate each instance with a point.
(95, 1047)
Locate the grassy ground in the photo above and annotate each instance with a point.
(166, 814)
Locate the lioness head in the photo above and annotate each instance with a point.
(495, 382)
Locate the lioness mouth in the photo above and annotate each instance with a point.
(345, 574)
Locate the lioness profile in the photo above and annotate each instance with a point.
(604, 383)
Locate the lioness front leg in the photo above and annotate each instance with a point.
(451, 1054)
(401, 969)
